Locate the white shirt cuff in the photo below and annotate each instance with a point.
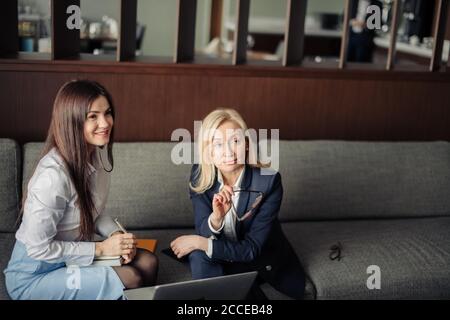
(83, 254)
(210, 248)
(212, 228)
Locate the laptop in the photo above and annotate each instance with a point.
(230, 287)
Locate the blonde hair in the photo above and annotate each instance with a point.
(205, 174)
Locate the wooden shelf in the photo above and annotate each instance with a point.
(345, 34)
(439, 34)
(221, 68)
(295, 32)
(66, 45)
(24, 56)
(240, 35)
(65, 42)
(185, 35)
(126, 49)
(393, 37)
(9, 36)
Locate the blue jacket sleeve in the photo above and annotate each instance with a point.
(251, 245)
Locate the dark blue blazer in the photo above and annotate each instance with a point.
(261, 241)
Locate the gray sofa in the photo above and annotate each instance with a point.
(388, 204)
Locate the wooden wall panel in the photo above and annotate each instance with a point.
(151, 106)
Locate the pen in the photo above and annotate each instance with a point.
(120, 226)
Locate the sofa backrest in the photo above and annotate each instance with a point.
(10, 164)
(344, 180)
(147, 189)
(322, 180)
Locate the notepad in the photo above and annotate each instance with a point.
(107, 261)
(149, 244)
(116, 261)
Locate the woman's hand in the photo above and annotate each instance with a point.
(119, 244)
(221, 205)
(127, 258)
(184, 245)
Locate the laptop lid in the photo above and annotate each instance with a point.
(230, 287)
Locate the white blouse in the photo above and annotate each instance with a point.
(51, 218)
(229, 222)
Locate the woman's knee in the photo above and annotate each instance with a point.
(203, 267)
(130, 276)
(146, 260)
(198, 256)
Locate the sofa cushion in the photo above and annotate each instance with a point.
(413, 256)
(147, 189)
(10, 164)
(322, 180)
(7, 241)
(342, 180)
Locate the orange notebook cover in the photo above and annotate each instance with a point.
(149, 244)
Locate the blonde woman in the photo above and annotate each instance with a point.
(236, 211)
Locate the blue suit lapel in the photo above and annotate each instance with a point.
(244, 196)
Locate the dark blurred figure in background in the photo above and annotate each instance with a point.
(361, 45)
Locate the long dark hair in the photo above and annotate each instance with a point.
(66, 135)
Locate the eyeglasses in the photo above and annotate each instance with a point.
(253, 207)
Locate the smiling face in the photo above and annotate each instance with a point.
(228, 147)
(99, 123)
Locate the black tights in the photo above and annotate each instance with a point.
(141, 272)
